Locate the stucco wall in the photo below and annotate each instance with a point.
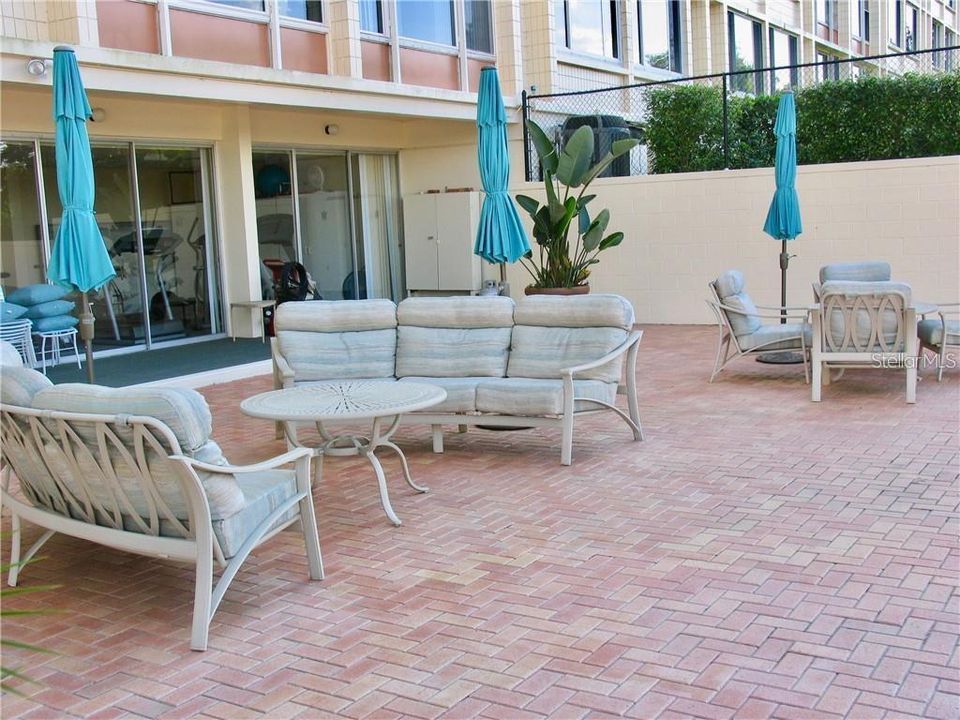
(682, 230)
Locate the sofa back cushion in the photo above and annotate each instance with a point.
(552, 333)
(454, 336)
(864, 271)
(864, 317)
(183, 411)
(342, 339)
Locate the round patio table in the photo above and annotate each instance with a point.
(349, 400)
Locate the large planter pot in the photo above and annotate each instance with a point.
(575, 290)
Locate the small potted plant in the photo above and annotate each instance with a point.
(557, 265)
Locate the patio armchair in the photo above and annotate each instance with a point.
(741, 326)
(864, 324)
(135, 469)
(19, 334)
(938, 333)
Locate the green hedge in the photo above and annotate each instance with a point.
(870, 118)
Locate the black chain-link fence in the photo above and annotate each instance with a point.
(869, 108)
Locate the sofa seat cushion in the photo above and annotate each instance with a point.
(544, 352)
(930, 331)
(461, 393)
(778, 337)
(263, 493)
(521, 396)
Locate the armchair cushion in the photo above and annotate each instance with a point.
(35, 294)
(865, 271)
(263, 493)
(9, 355)
(778, 337)
(730, 291)
(930, 331)
(50, 309)
(521, 396)
(11, 311)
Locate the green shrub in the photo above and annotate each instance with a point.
(684, 131)
(870, 118)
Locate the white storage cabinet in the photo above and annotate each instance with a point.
(439, 232)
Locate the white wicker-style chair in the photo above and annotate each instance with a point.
(864, 324)
(741, 327)
(126, 481)
(939, 333)
(18, 334)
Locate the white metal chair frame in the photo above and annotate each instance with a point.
(56, 338)
(854, 350)
(728, 346)
(18, 334)
(99, 508)
(947, 339)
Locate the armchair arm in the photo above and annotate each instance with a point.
(285, 459)
(782, 307)
(631, 340)
(792, 312)
(281, 368)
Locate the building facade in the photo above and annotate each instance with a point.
(232, 136)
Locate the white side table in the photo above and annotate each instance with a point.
(57, 338)
(349, 400)
(257, 305)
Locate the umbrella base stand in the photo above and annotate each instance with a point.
(784, 357)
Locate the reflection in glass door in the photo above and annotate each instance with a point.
(21, 237)
(338, 214)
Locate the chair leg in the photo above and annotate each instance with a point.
(942, 359)
(817, 380)
(14, 551)
(202, 599)
(437, 431)
(722, 348)
(911, 383)
(308, 522)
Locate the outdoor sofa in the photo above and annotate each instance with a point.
(542, 362)
(136, 469)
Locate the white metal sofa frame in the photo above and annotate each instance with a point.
(82, 513)
(727, 340)
(855, 350)
(630, 346)
(947, 338)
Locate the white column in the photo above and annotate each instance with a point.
(509, 46)
(237, 211)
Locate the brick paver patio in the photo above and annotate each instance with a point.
(757, 556)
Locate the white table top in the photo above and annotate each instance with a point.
(343, 400)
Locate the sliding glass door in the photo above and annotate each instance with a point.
(337, 214)
(154, 210)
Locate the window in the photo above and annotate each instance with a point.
(911, 35)
(301, 9)
(895, 23)
(242, 4)
(861, 20)
(371, 16)
(659, 24)
(478, 21)
(827, 67)
(950, 40)
(827, 13)
(590, 26)
(427, 20)
(746, 52)
(783, 51)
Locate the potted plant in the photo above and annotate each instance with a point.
(557, 265)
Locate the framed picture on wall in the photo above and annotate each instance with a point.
(183, 187)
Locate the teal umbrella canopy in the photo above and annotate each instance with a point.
(500, 236)
(783, 217)
(79, 258)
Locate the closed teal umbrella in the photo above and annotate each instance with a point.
(783, 218)
(500, 236)
(79, 258)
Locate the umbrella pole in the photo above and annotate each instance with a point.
(86, 334)
(784, 262)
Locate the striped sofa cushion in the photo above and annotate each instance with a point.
(334, 340)
(554, 333)
(454, 337)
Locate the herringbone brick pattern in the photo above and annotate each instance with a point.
(759, 556)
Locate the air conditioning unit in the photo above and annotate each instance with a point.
(607, 129)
